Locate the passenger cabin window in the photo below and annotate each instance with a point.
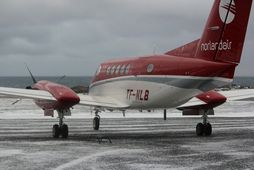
(108, 70)
(117, 69)
(127, 69)
(150, 68)
(122, 69)
(113, 69)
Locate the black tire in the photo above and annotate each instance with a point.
(64, 131)
(199, 129)
(56, 131)
(96, 123)
(208, 129)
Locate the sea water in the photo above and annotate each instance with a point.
(22, 82)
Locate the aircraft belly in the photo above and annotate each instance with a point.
(140, 94)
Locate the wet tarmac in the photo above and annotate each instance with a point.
(127, 143)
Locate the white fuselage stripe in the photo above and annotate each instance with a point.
(165, 77)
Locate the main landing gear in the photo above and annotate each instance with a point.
(96, 120)
(60, 129)
(204, 128)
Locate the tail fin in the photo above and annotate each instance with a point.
(225, 30)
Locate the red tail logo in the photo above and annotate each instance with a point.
(227, 10)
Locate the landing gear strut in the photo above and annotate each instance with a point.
(61, 129)
(96, 121)
(204, 128)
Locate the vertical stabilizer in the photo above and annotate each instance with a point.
(224, 33)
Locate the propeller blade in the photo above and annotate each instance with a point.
(34, 80)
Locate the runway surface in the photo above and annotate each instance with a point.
(136, 143)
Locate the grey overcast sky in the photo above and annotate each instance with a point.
(72, 37)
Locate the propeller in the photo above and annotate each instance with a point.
(32, 77)
(60, 78)
(28, 87)
(77, 89)
(34, 80)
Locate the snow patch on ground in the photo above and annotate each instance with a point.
(9, 152)
(95, 156)
(26, 109)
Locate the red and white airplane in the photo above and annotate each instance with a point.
(183, 78)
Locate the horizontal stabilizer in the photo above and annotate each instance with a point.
(187, 50)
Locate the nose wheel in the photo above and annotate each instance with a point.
(60, 129)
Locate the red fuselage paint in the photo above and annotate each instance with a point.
(167, 65)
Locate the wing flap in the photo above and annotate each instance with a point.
(194, 102)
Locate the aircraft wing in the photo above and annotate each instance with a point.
(26, 93)
(232, 95)
(194, 102)
(100, 101)
(239, 95)
(86, 100)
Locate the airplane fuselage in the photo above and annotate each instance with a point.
(159, 81)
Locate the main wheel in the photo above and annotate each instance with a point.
(96, 123)
(199, 129)
(56, 131)
(64, 131)
(208, 129)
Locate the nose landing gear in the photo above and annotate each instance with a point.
(60, 129)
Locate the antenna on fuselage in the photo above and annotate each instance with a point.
(34, 80)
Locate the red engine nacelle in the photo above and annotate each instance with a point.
(65, 97)
(211, 100)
